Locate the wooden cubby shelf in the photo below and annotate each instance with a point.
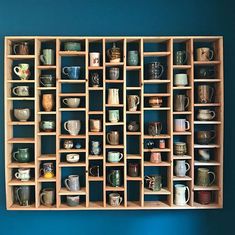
(82, 130)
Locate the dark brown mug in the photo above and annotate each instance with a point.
(21, 48)
(133, 169)
(205, 137)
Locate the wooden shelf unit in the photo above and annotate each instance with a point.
(163, 87)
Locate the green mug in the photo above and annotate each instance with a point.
(114, 178)
(22, 155)
(48, 57)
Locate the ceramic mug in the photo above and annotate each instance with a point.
(22, 195)
(180, 195)
(181, 102)
(181, 79)
(154, 182)
(155, 101)
(48, 57)
(94, 59)
(47, 80)
(113, 137)
(23, 174)
(72, 157)
(72, 102)
(94, 171)
(204, 154)
(68, 144)
(114, 178)
(48, 102)
(155, 157)
(205, 137)
(180, 148)
(22, 71)
(21, 90)
(133, 169)
(47, 170)
(181, 125)
(203, 177)
(204, 54)
(133, 102)
(113, 96)
(73, 200)
(155, 70)
(95, 148)
(133, 58)
(47, 126)
(47, 196)
(205, 114)
(115, 199)
(73, 127)
(114, 54)
(95, 125)
(72, 46)
(95, 79)
(114, 73)
(21, 48)
(205, 93)
(133, 126)
(72, 72)
(22, 155)
(114, 157)
(155, 128)
(22, 115)
(114, 116)
(181, 168)
(72, 183)
(180, 57)
(204, 197)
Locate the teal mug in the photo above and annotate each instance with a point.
(114, 178)
(133, 58)
(114, 116)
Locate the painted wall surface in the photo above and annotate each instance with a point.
(129, 17)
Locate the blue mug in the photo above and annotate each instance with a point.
(72, 72)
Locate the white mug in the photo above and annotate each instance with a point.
(181, 168)
(72, 102)
(180, 195)
(181, 79)
(181, 125)
(23, 174)
(94, 59)
(73, 126)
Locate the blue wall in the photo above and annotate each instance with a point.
(108, 17)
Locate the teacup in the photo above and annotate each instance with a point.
(114, 157)
(22, 114)
(72, 102)
(47, 80)
(72, 72)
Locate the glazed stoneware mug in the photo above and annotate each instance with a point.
(204, 197)
(181, 102)
(181, 57)
(48, 102)
(72, 183)
(113, 137)
(72, 46)
(133, 58)
(47, 126)
(205, 93)
(47, 197)
(133, 169)
(133, 101)
(181, 79)
(180, 148)
(72, 72)
(22, 155)
(181, 168)
(94, 171)
(205, 114)
(155, 70)
(155, 157)
(204, 154)
(22, 71)
(22, 195)
(181, 125)
(95, 79)
(23, 174)
(114, 73)
(73, 127)
(180, 195)
(72, 157)
(48, 57)
(154, 182)
(21, 48)
(21, 90)
(95, 125)
(205, 137)
(115, 199)
(73, 200)
(95, 148)
(155, 128)
(114, 156)
(114, 116)
(203, 177)
(155, 101)
(113, 96)
(47, 170)
(47, 80)
(22, 115)
(72, 102)
(114, 178)
(94, 59)
(204, 54)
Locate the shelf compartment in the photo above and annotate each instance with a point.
(64, 206)
(15, 182)
(63, 192)
(163, 191)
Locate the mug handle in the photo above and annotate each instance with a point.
(108, 138)
(90, 171)
(14, 90)
(14, 155)
(16, 70)
(186, 57)
(41, 198)
(66, 184)
(42, 83)
(121, 156)
(42, 58)
(64, 71)
(17, 175)
(188, 167)
(120, 201)
(14, 48)
(212, 173)
(109, 179)
(17, 195)
(187, 102)
(187, 125)
(212, 92)
(188, 194)
(137, 100)
(162, 71)
(65, 126)
(211, 55)
(213, 114)
(65, 101)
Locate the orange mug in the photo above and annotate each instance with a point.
(155, 157)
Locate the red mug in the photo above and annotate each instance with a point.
(204, 197)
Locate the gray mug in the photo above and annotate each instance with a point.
(72, 183)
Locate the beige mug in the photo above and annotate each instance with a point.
(113, 137)
(133, 102)
(95, 125)
(47, 102)
(204, 54)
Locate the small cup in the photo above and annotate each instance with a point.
(181, 79)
